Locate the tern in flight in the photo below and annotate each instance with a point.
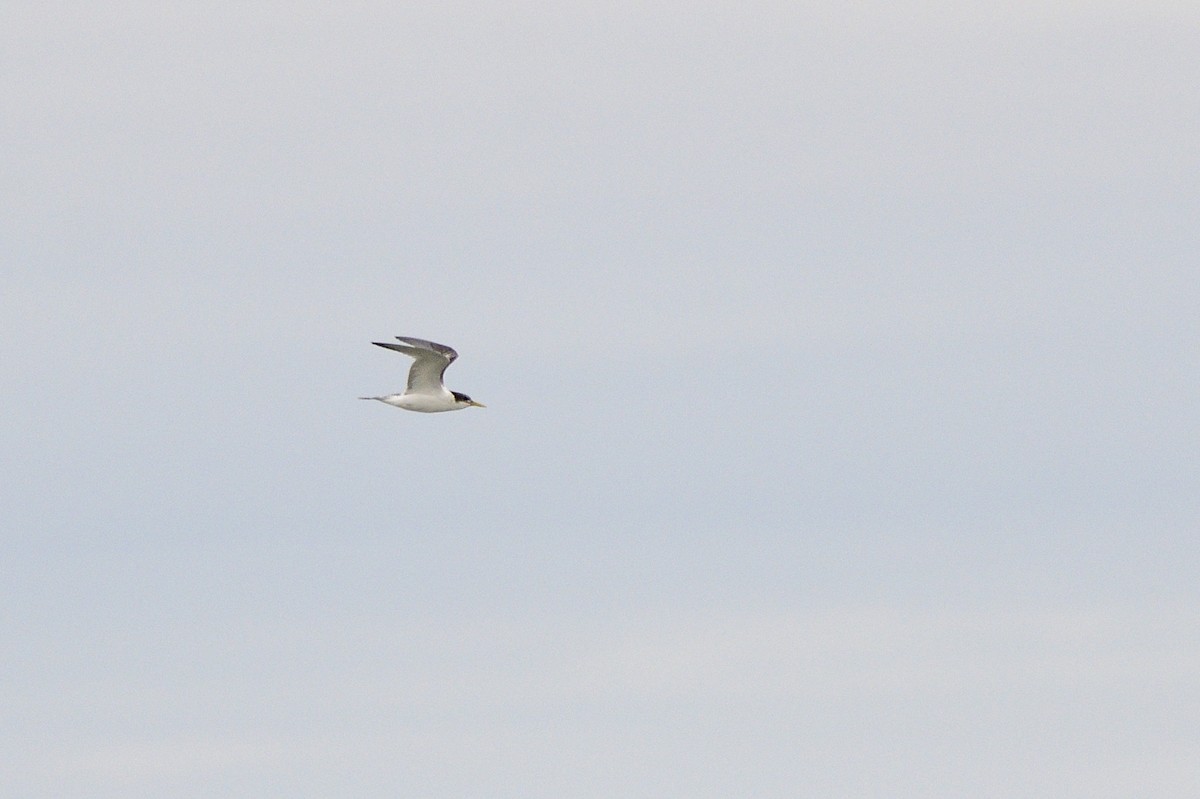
(426, 393)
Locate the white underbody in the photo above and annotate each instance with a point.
(424, 403)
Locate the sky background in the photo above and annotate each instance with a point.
(841, 363)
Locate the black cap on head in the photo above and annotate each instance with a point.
(461, 397)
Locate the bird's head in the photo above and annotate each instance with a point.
(463, 399)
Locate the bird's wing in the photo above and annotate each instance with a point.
(422, 344)
(429, 363)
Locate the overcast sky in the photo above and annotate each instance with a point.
(841, 363)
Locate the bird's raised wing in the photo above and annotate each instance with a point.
(440, 349)
(429, 363)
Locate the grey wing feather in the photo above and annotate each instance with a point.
(421, 343)
(429, 363)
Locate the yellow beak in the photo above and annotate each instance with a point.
(477, 404)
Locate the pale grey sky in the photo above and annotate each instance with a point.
(841, 363)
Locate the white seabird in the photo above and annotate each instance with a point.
(426, 392)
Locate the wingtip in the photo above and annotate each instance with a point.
(387, 345)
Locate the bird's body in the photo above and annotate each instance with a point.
(425, 392)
